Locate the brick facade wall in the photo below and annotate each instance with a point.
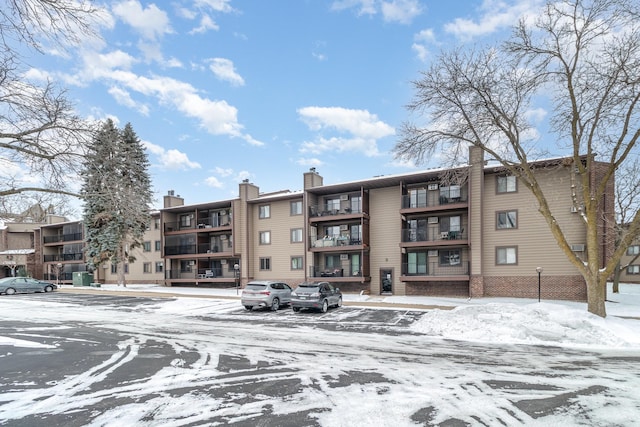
(437, 289)
(572, 288)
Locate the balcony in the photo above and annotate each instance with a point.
(332, 272)
(204, 224)
(335, 242)
(71, 237)
(200, 249)
(432, 200)
(432, 235)
(434, 271)
(64, 257)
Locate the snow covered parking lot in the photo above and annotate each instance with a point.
(112, 360)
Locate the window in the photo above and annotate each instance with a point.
(146, 246)
(156, 223)
(633, 250)
(296, 263)
(418, 198)
(450, 193)
(450, 223)
(185, 266)
(333, 204)
(356, 204)
(506, 184)
(185, 220)
(265, 263)
(296, 208)
(114, 268)
(158, 245)
(507, 219)
(332, 231)
(265, 211)
(146, 267)
(450, 257)
(417, 263)
(506, 255)
(633, 269)
(296, 235)
(159, 267)
(265, 237)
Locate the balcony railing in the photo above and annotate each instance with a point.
(435, 269)
(204, 223)
(63, 238)
(430, 200)
(426, 235)
(334, 241)
(64, 257)
(203, 248)
(335, 272)
(331, 211)
(200, 274)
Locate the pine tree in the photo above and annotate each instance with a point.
(117, 195)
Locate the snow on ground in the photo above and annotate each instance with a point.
(495, 320)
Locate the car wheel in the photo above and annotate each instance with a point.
(275, 304)
(248, 307)
(339, 304)
(48, 288)
(296, 309)
(325, 306)
(10, 291)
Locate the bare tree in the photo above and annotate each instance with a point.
(584, 55)
(41, 136)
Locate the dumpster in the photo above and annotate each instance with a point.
(82, 278)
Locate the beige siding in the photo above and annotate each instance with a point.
(385, 225)
(536, 245)
(279, 224)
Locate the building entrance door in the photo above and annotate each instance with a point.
(386, 281)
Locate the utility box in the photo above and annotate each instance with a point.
(82, 278)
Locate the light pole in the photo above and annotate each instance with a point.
(59, 266)
(236, 271)
(539, 270)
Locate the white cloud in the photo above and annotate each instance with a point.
(216, 5)
(401, 11)
(170, 159)
(223, 172)
(214, 182)
(123, 97)
(495, 15)
(421, 40)
(224, 70)
(365, 7)
(363, 129)
(37, 75)
(312, 161)
(242, 175)
(150, 22)
(206, 24)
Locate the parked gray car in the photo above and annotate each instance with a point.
(266, 293)
(24, 285)
(318, 295)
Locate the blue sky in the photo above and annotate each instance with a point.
(223, 90)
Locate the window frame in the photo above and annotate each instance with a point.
(297, 260)
(146, 246)
(146, 268)
(264, 237)
(506, 179)
(506, 214)
(294, 233)
(264, 211)
(506, 248)
(295, 208)
(633, 269)
(633, 250)
(265, 263)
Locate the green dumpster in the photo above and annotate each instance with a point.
(82, 278)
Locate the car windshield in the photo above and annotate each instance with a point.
(255, 287)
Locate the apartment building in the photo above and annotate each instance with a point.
(631, 264)
(472, 231)
(61, 244)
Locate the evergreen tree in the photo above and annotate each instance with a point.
(117, 196)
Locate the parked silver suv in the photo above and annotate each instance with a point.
(319, 295)
(266, 293)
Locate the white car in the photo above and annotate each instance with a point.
(266, 293)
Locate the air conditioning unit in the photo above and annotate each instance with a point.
(577, 248)
(344, 227)
(432, 253)
(432, 220)
(574, 209)
(223, 237)
(344, 257)
(223, 261)
(192, 262)
(344, 197)
(432, 187)
(223, 212)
